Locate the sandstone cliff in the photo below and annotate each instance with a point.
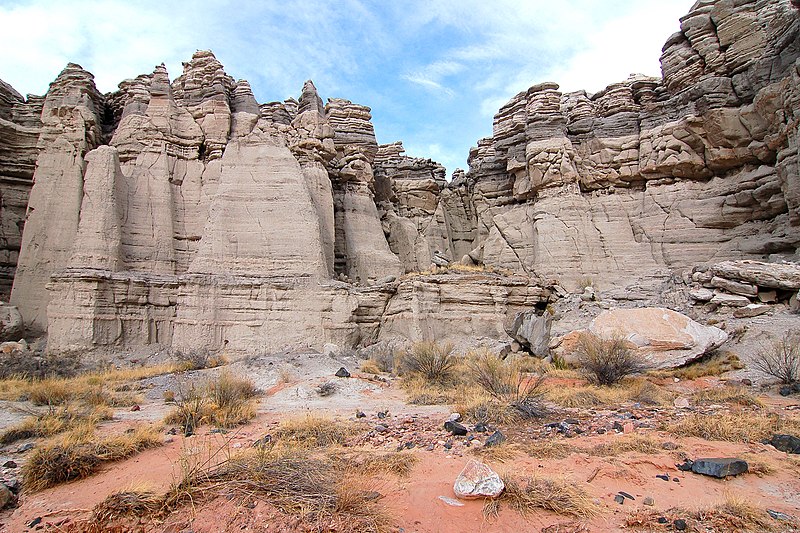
(184, 213)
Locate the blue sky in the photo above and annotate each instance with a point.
(434, 72)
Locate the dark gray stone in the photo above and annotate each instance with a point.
(679, 524)
(786, 443)
(455, 428)
(619, 498)
(342, 373)
(496, 439)
(719, 467)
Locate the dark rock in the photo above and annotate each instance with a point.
(601, 431)
(626, 495)
(480, 427)
(786, 443)
(686, 466)
(342, 373)
(6, 496)
(747, 382)
(380, 428)
(662, 520)
(496, 439)
(669, 445)
(221, 431)
(136, 408)
(172, 431)
(26, 447)
(455, 428)
(665, 477)
(777, 515)
(10, 464)
(263, 441)
(618, 426)
(360, 414)
(676, 480)
(788, 390)
(572, 421)
(719, 468)
(383, 414)
(35, 522)
(372, 496)
(619, 498)
(679, 524)
(448, 445)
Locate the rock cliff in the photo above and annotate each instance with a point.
(184, 213)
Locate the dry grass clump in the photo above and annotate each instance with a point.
(757, 465)
(508, 384)
(549, 449)
(56, 420)
(116, 512)
(313, 432)
(732, 514)
(715, 364)
(781, 360)
(371, 366)
(434, 363)
(198, 359)
(606, 362)
(80, 454)
(734, 427)
(477, 406)
(400, 464)
(635, 443)
(558, 495)
(298, 483)
(498, 453)
(727, 395)
(628, 390)
(226, 401)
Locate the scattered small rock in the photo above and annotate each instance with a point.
(136, 408)
(6, 496)
(480, 427)
(665, 477)
(10, 464)
(360, 414)
(372, 496)
(788, 390)
(455, 428)
(669, 445)
(662, 520)
(383, 414)
(380, 428)
(619, 498)
(626, 495)
(451, 501)
(679, 524)
(454, 417)
(342, 373)
(786, 443)
(26, 447)
(685, 466)
(648, 501)
(477, 480)
(719, 467)
(35, 522)
(777, 515)
(496, 439)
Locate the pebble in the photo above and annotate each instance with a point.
(10, 464)
(679, 524)
(619, 498)
(649, 501)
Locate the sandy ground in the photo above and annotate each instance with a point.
(415, 502)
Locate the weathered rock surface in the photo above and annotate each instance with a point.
(184, 212)
(720, 468)
(666, 338)
(532, 330)
(476, 481)
(11, 325)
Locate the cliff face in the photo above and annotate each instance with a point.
(187, 214)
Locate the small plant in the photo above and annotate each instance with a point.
(370, 366)
(225, 402)
(198, 359)
(781, 360)
(558, 495)
(326, 389)
(312, 432)
(508, 384)
(607, 361)
(433, 362)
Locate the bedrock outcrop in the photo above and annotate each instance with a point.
(183, 213)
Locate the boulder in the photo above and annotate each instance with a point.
(11, 325)
(666, 338)
(455, 428)
(784, 276)
(720, 468)
(532, 330)
(786, 443)
(477, 480)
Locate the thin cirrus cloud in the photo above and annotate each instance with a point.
(434, 73)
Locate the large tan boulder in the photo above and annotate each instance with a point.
(666, 338)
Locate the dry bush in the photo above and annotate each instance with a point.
(509, 385)
(226, 401)
(54, 421)
(327, 388)
(628, 390)
(781, 360)
(727, 394)
(714, 364)
(621, 445)
(499, 453)
(549, 448)
(758, 465)
(400, 464)
(111, 514)
(33, 366)
(734, 427)
(607, 361)
(428, 359)
(420, 391)
(198, 359)
(80, 455)
(371, 366)
(312, 432)
(732, 514)
(558, 495)
(477, 406)
(296, 482)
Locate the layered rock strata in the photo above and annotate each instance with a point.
(184, 213)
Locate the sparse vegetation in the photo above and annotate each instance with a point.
(714, 364)
(618, 446)
(226, 401)
(198, 359)
(781, 360)
(607, 361)
(326, 389)
(312, 432)
(727, 395)
(734, 427)
(80, 454)
(371, 366)
(508, 384)
(558, 495)
(435, 363)
(549, 448)
(56, 420)
(628, 390)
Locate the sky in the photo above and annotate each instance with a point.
(434, 72)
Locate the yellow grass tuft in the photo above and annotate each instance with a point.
(550, 448)
(727, 395)
(555, 494)
(56, 420)
(626, 444)
(313, 431)
(734, 427)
